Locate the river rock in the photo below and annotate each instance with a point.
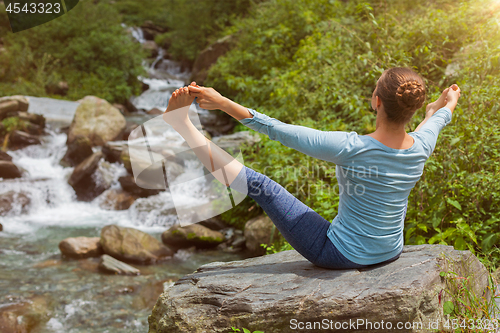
(128, 184)
(24, 315)
(131, 245)
(33, 129)
(1, 227)
(9, 170)
(28, 118)
(78, 150)
(234, 141)
(97, 120)
(259, 230)
(208, 57)
(15, 202)
(191, 235)
(18, 139)
(36, 119)
(115, 199)
(81, 247)
(270, 292)
(110, 265)
(112, 151)
(5, 157)
(86, 179)
(12, 103)
(85, 168)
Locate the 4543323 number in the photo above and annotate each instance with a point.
(34, 8)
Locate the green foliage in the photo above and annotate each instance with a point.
(315, 63)
(11, 124)
(191, 25)
(134, 12)
(278, 246)
(465, 310)
(87, 48)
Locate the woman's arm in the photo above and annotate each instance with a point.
(210, 99)
(319, 144)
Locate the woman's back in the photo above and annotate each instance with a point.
(374, 181)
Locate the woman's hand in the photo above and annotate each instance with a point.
(452, 97)
(208, 98)
(437, 104)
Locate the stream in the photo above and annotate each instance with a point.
(72, 296)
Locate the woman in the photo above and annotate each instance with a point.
(375, 172)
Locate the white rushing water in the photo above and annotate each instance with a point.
(44, 181)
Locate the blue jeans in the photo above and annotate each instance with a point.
(302, 227)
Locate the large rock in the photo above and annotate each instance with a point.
(114, 199)
(131, 245)
(191, 235)
(81, 247)
(15, 202)
(9, 170)
(259, 230)
(78, 150)
(97, 120)
(18, 139)
(83, 179)
(208, 57)
(110, 265)
(273, 292)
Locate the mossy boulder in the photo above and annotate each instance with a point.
(97, 120)
(192, 235)
(131, 245)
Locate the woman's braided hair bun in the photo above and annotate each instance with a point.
(402, 92)
(411, 95)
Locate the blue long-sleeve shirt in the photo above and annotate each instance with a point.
(374, 181)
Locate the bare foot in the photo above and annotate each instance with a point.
(178, 108)
(180, 98)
